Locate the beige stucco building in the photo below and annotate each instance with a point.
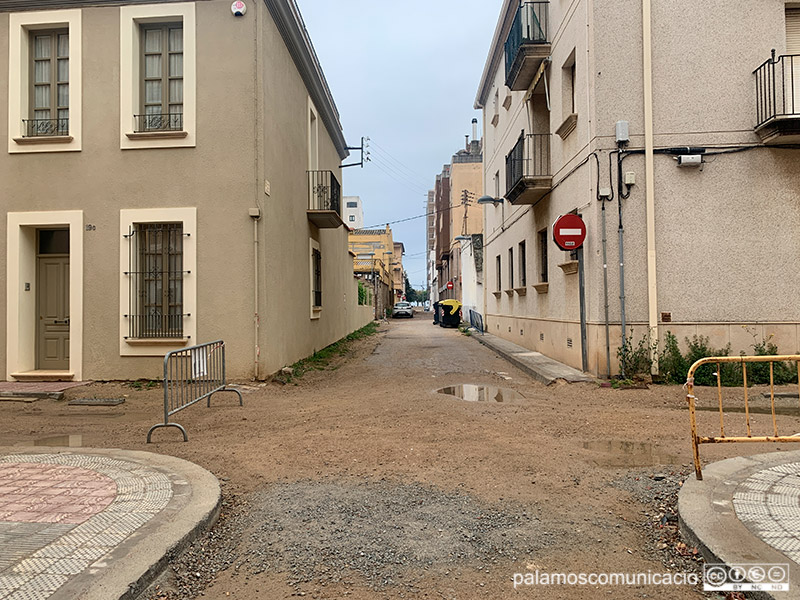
(669, 110)
(458, 215)
(373, 255)
(171, 178)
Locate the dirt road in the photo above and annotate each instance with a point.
(361, 481)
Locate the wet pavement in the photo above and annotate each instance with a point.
(80, 524)
(480, 393)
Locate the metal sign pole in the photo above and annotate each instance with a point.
(582, 292)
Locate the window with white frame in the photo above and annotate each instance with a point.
(155, 290)
(49, 85)
(161, 79)
(158, 75)
(158, 279)
(44, 76)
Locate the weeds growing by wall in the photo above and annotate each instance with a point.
(673, 365)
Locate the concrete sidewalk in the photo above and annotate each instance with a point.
(746, 511)
(95, 524)
(535, 364)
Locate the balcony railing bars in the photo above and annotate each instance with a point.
(324, 191)
(168, 122)
(530, 26)
(530, 157)
(45, 127)
(777, 88)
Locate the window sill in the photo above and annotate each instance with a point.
(521, 291)
(507, 101)
(45, 139)
(541, 288)
(495, 119)
(497, 294)
(156, 135)
(182, 341)
(570, 267)
(509, 292)
(568, 126)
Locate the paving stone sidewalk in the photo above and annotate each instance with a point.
(68, 518)
(746, 511)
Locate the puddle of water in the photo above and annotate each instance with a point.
(66, 441)
(617, 453)
(481, 393)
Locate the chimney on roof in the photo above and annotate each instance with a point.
(474, 129)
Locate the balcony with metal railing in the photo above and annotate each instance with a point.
(158, 122)
(528, 173)
(45, 127)
(324, 199)
(778, 99)
(527, 45)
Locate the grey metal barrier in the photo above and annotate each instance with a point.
(190, 375)
(476, 320)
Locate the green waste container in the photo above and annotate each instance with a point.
(451, 313)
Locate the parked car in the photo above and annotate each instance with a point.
(402, 309)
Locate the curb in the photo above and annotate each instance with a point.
(539, 373)
(707, 519)
(139, 560)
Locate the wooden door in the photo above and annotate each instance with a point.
(52, 290)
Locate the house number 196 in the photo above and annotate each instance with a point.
(90, 227)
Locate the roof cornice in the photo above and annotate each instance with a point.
(290, 23)
(496, 51)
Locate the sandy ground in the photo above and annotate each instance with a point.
(571, 478)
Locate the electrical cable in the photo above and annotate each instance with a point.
(379, 160)
(392, 157)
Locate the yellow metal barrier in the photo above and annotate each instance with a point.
(722, 438)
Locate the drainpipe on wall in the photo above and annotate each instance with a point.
(255, 214)
(652, 288)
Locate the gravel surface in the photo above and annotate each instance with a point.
(380, 532)
(370, 436)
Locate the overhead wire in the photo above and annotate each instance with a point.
(390, 156)
(397, 175)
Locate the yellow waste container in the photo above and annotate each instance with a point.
(451, 313)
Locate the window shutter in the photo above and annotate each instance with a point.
(793, 31)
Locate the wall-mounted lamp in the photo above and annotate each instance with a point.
(463, 238)
(489, 200)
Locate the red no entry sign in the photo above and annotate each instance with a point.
(449, 285)
(569, 232)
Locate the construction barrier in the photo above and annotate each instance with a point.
(722, 438)
(190, 375)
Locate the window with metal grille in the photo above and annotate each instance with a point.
(316, 257)
(49, 84)
(162, 78)
(155, 276)
(499, 274)
(523, 268)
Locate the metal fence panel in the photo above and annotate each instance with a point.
(722, 437)
(190, 375)
(476, 320)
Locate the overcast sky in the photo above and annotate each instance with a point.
(405, 74)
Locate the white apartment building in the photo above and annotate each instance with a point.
(353, 212)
